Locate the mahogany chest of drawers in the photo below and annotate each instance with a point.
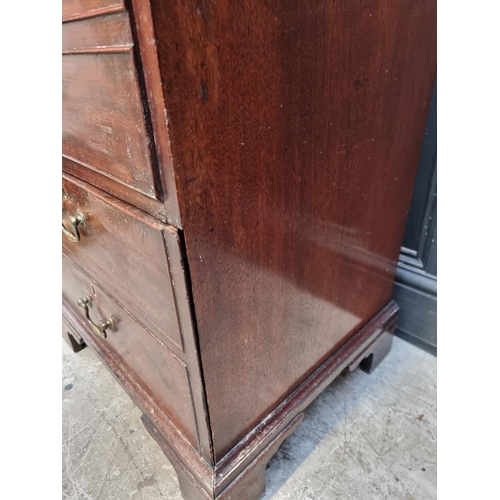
(236, 180)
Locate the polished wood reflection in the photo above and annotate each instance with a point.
(295, 131)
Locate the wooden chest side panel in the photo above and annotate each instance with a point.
(295, 129)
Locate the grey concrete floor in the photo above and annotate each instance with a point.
(367, 437)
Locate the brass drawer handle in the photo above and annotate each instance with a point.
(75, 221)
(99, 329)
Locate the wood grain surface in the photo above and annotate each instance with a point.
(124, 250)
(103, 121)
(79, 9)
(162, 375)
(115, 135)
(295, 129)
(97, 33)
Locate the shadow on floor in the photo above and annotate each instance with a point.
(366, 436)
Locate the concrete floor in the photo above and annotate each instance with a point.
(367, 437)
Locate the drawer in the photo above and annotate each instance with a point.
(104, 128)
(103, 124)
(77, 9)
(105, 32)
(162, 375)
(125, 251)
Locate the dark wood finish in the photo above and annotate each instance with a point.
(79, 9)
(137, 259)
(144, 34)
(361, 345)
(125, 251)
(240, 474)
(149, 205)
(145, 403)
(115, 134)
(295, 134)
(250, 483)
(199, 479)
(98, 33)
(161, 374)
(282, 138)
(103, 122)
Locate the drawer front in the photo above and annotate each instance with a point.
(104, 32)
(125, 251)
(76, 9)
(162, 375)
(103, 122)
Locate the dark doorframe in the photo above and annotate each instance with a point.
(415, 289)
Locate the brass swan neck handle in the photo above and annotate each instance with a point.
(100, 328)
(75, 221)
